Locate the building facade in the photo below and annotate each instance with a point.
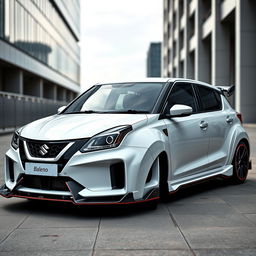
(39, 52)
(154, 60)
(213, 41)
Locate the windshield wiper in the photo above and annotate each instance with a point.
(84, 112)
(131, 111)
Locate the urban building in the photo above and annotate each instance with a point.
(154, 60)
(39, 51)
(213, 41)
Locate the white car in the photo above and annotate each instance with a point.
(122, 143)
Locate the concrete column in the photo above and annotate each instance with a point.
(54, 92)
(202, 66)
(171, 44)
(246, 59)
(220, 48)
(164, 63)
(13, 81)
(34, 87)
(1, 80)
(178, 38)
(188, 64)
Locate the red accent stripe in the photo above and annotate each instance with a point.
(70, 201)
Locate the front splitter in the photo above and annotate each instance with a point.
(126, 199)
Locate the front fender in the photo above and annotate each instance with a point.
(155, 141)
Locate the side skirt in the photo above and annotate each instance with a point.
(227, 171)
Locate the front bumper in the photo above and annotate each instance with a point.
(115, 176)
(73, 197)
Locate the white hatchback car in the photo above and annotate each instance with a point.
(121, 143)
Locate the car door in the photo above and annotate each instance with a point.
(188, 135)
(219, 124)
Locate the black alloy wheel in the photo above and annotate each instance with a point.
(240, 163)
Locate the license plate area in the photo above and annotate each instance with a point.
(41, 169)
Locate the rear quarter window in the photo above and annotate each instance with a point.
(210, 99)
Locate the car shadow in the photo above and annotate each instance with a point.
(199, 188)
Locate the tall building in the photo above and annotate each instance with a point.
(154, 60)
(213, 41)
(39, 52)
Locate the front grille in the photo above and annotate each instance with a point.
(51, 150)
(45, 183)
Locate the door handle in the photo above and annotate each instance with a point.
(229, 120)
(203, 125)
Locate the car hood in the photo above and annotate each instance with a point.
(76, 126)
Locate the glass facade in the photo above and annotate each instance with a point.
(38, 28)
(154, 60)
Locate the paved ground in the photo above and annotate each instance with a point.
(208, 219)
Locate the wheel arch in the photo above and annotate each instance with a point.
(238, 135)
(246, 142)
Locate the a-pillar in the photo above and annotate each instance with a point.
(246, 59)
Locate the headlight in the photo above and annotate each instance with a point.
(15, 140)
(108, 139)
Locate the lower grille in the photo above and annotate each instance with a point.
(45, 183)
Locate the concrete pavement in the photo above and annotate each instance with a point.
(212, 218)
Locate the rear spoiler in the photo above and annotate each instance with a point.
(227, 90)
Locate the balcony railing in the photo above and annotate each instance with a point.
(17, 110)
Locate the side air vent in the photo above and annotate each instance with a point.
(117, 175)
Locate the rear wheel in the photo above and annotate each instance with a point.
(240, 163)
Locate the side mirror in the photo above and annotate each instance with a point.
(61, 109)
(179, 110)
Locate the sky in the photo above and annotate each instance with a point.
(115, 37)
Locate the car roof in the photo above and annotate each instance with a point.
(160, 80)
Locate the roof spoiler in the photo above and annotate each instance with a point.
(228, 90)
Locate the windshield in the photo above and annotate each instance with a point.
(117, 98)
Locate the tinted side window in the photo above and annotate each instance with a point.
(210, 99)
(181, 94)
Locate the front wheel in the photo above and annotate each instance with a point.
(240, 163)
(163, 184)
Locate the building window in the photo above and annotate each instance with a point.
(181, 7)
(36, 39)
(174, 49)
(174, 21)
(191, 26)
(181, 39)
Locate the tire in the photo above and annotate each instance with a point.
(163, 185)
(240, 163)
